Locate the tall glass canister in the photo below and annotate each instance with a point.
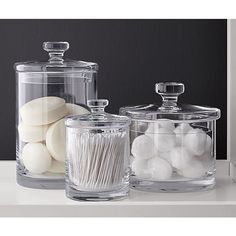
(47, 92)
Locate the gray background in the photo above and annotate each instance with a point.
(132, 54)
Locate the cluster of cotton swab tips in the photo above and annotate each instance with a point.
(97, 160)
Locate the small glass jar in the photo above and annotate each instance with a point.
(97, 155)
(173, 146)
(46, 93)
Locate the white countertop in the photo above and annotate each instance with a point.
(19, 201)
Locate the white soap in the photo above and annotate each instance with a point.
(160, 169)
(139, 167)
(57, 167)
(36, 158)
(55, 140)
(43, 111)
(181, 130)
(74, 109)
(195, 141)
(143, 147)
(195, 169)
(180, 157)
(32, 134)
(164, 140)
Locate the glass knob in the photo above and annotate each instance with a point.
(169, 92)
(56, 50)
(97, 105)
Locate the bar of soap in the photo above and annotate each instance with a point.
(32, 134)
(74, 109)
(143, 147)
(139, 167)
(195, 141)
(160, 169)
(43, 111)
(57, 167)
(180, 157)
(164, 140)
(36, 158)
(55, 140)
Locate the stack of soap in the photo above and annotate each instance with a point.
(43, 129)
(166, 147)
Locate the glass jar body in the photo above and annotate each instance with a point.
(39, 124)
(97, 163)
(173, 156)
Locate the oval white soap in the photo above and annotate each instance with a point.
(57, 167)
(55, 140)
(42, 111)
(36, 158)
(32, 134)
(73, 109)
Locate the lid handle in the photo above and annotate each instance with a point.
(169, 92)
(97, 105)
(56, 50)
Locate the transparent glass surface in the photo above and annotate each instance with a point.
(97, 155)
(44, 99)
(172, 145)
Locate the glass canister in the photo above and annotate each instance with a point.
(46, 93)
(173, 146)
(97, 155)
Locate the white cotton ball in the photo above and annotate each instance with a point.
(207, 160)
(194, 169)
(160, 169)
(180, 157)
(180, 131)
(166, 156)
(36, 158)
(166, 123)
(195, 141)
(139, 167)
(152, 129)
(208, 145)
(143, 147)
(164, 140)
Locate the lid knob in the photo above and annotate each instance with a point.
(56, 50)
(169, 92)
(97, 105)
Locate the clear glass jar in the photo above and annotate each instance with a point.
(46, 93)
(97, 155)
(173, 146)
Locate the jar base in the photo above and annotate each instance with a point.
(40, 183)
(78, 195)
(205, 183)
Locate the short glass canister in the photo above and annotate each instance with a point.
(47, 92)
(97, 155)
(173, 146)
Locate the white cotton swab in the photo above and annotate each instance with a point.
(97, 161)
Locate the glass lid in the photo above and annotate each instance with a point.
(170, 108)
(56, 62)
(98, 118)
